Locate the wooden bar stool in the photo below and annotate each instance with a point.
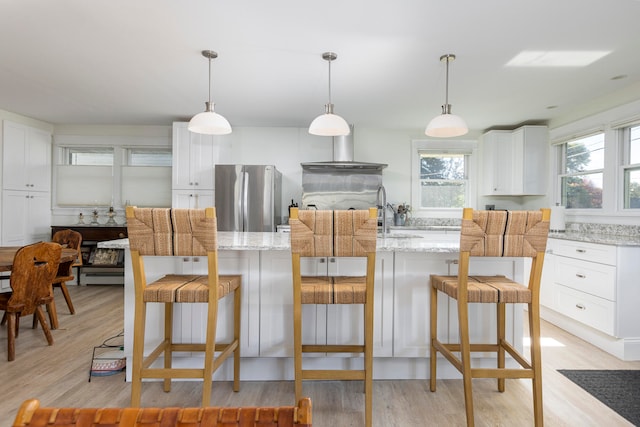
(317, 233)
(179, 232)
(494, 234)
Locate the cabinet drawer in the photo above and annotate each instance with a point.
(588, 309)
(595, 279)
(603, 254)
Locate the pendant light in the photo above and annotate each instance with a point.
(446, 125)
(329, 124)
(209, 122)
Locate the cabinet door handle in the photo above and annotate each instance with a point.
(332, 260)
(581, 251)
(196, 259)
(580, 276)
(580, 307)
(322, 260)
(185, 259)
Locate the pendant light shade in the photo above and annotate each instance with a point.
(329, 124)
(446, 125)
(209, 122)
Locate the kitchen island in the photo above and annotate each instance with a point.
(401, 320)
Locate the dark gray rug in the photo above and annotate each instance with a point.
(618, 389)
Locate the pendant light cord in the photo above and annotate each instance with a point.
(209, 81)
(329, 80)
(446, 90)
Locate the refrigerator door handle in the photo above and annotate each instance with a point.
(245, 201)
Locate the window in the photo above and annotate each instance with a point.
(149, 157)
(117, 175)
(89, 156)
(631, 167)
(146, 179)
(582, 172)
(86, 177)
(443, 180)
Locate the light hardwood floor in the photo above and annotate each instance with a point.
(57, 375)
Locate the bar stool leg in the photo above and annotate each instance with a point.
(237, 304)
(168, 342)
(138, 352)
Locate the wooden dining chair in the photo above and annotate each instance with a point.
(321, 233)
(494, 234)
(34, 267)
(31, 414)
(73, 240)
(179, 232)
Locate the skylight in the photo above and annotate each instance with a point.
(557, 58)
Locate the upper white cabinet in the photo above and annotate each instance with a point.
(193, 159)
(515, 161)
(26, 158)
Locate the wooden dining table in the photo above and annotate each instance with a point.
(7, 253)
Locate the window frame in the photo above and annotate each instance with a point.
(466, 147)
(626, 165)
(562, 169)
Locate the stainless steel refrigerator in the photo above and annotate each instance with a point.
(248, 197)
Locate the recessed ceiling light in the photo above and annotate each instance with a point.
(556, 58)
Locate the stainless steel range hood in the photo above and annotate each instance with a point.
(342, 157)
(341, 183)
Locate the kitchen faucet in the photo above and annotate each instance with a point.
(382, 204)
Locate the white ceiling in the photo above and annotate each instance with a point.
(123, 62)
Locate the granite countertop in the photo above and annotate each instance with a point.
(236, 241)
(601, 238)
(395, 242)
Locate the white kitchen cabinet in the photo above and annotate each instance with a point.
(192, 159)
(595, 294)
(514, 161)
(322, 324)
(411, 301)
(585, 280)
(26, 217)
(345, 322)
(548, 275)
(26, 158)
(192, 199)
(193, 324)
(482, 317)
